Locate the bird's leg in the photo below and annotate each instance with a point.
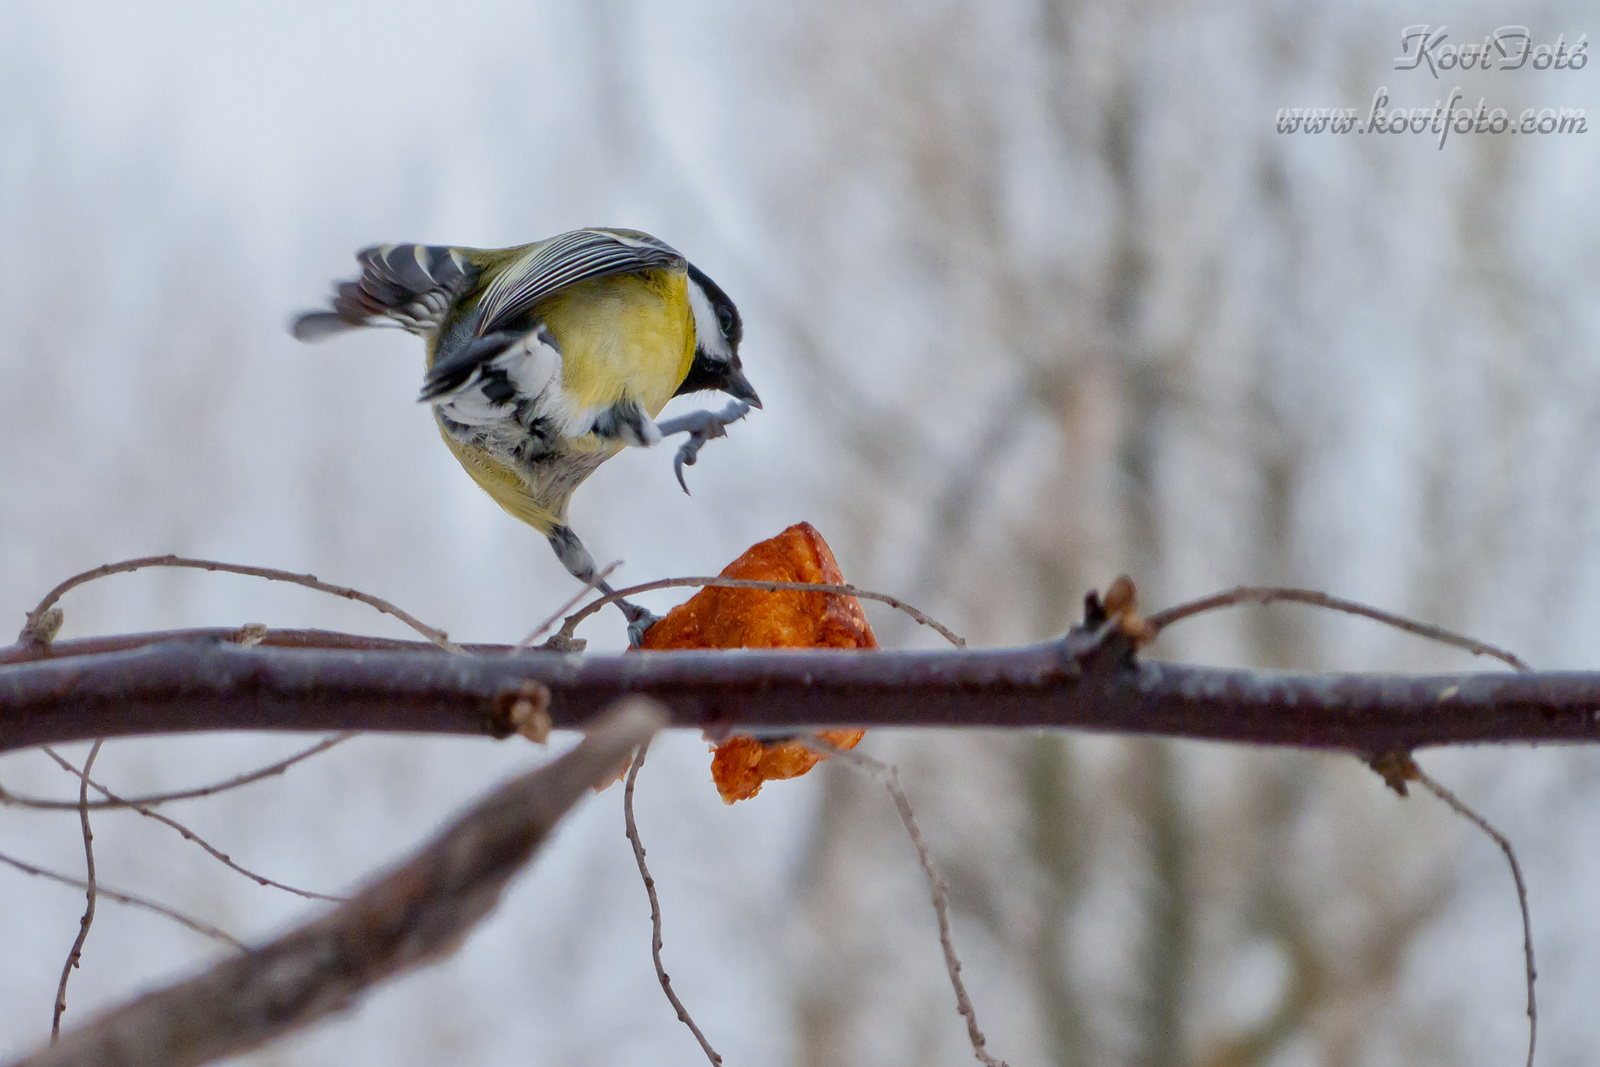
(701, 426)
(626, 421)
(580, 564)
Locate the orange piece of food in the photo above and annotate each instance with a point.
(741, 764)
(756, 618)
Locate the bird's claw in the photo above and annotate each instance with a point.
(638, 623)
(685, 458)
(701, 426)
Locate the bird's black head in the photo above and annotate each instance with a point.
(718, 331)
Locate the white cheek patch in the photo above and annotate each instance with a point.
(707, 331)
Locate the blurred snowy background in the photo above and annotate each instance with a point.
(1035, 293)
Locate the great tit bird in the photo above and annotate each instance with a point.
(544, 360)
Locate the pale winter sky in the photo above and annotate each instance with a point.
(1034, 294)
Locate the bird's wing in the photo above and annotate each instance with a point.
(410, 286)
(557, 263)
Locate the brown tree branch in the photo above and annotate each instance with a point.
(45, 619)
(1088, 679)
(938, 889)
(172, 824)
(417, 913)
(1254, 594)
(924, 619)
(632, 829)
(1461, 808)
(205, 929)
(151, 800)
(76, 952)
(594, 583)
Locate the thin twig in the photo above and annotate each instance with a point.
(938, 890)
(593, 606)
(417, 913)
(655, 908)
(1460, 807)
(89, 893)
(310, 581)
(594, 582)
(1246, 594)
(129, 899)
(184, 831)
(1409, 768)
(40, 804)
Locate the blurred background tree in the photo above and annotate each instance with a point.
(1035, 294)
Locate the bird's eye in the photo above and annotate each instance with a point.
(725, 320)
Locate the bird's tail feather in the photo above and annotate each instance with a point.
(410, 286)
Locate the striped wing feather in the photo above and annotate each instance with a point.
(563, 260)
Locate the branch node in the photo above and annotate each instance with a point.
(1111, 632)
(42, 627)
(250, 635)
(1120, 606)
(564, 642)
(524, 710)
(529, 714)
(1396, 769)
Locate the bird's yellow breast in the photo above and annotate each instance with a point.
(621, 336)
(538, 496)
(625, 335)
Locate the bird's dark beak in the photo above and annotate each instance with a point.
(736, 385)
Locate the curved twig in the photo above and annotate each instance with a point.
(41, 804)
(130, 899)
(417, 913)
(593, 606)
(184, 831)
(1460, 807)
(655, 908)
(32, 628)
(594, 582)
(89, 887)
(937, 889)
(1248, 594)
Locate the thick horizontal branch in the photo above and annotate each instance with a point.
(306, 680)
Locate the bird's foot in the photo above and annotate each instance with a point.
(639, 621)
(701, 426)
